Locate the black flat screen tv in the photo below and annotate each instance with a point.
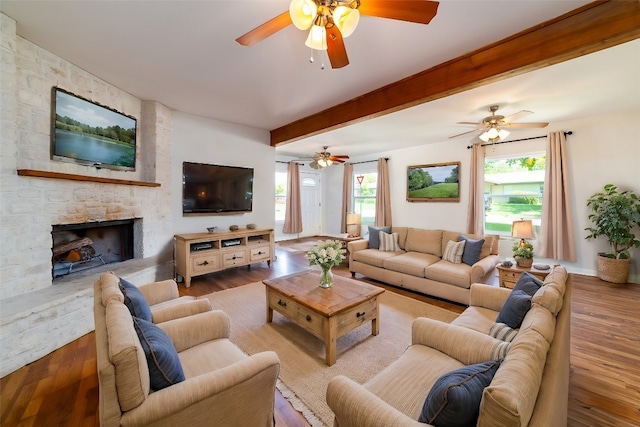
(90, 134)
(216, 189)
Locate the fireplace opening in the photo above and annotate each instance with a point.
(78, 247)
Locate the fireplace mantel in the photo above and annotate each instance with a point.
(74, 177)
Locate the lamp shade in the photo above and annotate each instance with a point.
(317, 38)
(353, 218)
(522, 229)
(303, 13)
(346, 19)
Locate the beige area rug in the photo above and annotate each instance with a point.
(303, 373)
(293, 246)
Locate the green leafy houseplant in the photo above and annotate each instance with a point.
(523, 250)
(614, 216)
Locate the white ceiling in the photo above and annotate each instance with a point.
(183, 54)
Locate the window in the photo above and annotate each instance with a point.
(513, 190)
(364, 196)
(281, 195)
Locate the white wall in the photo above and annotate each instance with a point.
(602, 150)
(201, 140)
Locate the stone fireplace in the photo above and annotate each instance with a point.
(79, 247)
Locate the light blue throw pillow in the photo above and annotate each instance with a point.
(374, 239)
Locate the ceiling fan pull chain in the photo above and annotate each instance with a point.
(311, 57)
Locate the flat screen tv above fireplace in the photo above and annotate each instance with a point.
(90, 134)
(216, 189)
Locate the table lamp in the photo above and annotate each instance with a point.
(522, 229)
(353, 224)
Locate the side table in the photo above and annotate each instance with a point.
(510, 275)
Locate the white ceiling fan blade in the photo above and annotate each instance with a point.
(517, 116)
(526, 125)
(465, 133)
(471, 123)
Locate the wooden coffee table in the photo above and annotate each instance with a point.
(325, 313)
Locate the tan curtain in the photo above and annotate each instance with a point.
(475, 218)
(556, 234)
(383, 197)
(293, 211)
(347, 186)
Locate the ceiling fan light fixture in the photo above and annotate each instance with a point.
(346, 19)
(317, 38)
(303, 13)
(322, 163)
(503, 134)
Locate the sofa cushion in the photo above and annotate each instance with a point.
(127, 357)
(472, 249)
(164, 364)
(450, 273)
(540, 320)
(527, 283)
(402, 235)
(454, 399)
(110, 288)
(490, 246)
(453, 251)
(134, 300)
(425, 241)
(388, 242)
(478, 318)
(503, 332)
(374, 240)
(373, 257)
(413, 263)
(549, 297)
(514, 309)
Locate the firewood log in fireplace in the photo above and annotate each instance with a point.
(75, 244)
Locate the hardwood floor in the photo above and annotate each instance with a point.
(61, 389)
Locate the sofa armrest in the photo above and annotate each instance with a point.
(463, 344)
(355, 406)
(483, 267)
(357, 245)
(182, 309)
(157, 292)
(240, 394)
(486, 296)
(188, 332)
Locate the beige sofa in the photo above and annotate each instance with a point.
(530, 388)
(419, 266)
(223, 386)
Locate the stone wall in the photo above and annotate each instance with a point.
(30, 206)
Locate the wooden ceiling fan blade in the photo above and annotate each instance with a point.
(527, 125)
(337, 161)
(471, 123)
(340, 157)
(419, 11)
(517, 116)
(335, 48)
(466, 133)
(265, 30)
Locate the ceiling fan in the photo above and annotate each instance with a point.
(493, 125)
(323, 159)
(330, 21)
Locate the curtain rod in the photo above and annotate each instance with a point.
(517, 140)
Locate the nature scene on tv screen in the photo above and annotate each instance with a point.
(88, 132)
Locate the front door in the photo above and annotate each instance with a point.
(311, 203)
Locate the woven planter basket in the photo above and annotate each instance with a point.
(613, 270)
(524, 262)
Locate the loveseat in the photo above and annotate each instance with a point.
(418, 264)
(529, 388)
(220, 384)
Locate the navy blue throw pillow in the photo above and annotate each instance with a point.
(134, 300)
(514, 309)
(165, 368)
(528, 283)
(472, 249)
(374, 239)
(454, 399)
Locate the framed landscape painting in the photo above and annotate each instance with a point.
(439, 182)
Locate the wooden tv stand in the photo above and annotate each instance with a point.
(202, 253)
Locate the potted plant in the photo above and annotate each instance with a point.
(614, 216)
(523, 253)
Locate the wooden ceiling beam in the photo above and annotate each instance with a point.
(593, 27)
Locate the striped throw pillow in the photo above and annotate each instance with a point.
(453, 251)
(388, 242)
(503, 332)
